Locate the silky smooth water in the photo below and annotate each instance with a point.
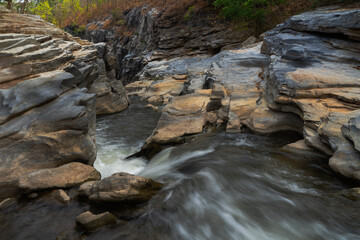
(121, 135)
(242, 186)
(219, 186)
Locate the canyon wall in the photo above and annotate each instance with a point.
(48, 87)
(303, 77)
(151, 34)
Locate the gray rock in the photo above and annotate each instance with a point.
(47, 117)
(339, 21)
(90, 221)
(351, 130)
(160, 36)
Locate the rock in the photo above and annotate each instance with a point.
(61, 196)
(6, 203)
(304, 78)
(33, 195)
(248, 42)
(111, 95)
(47, 116)
(66, 176)
(184, 115)
(299, 145)
(313, 74)
(156, 109)
(302, 148)
(340, 21)
(158, 35)
(352, 194)
(351, 130)
(90, 221)
(120, 188)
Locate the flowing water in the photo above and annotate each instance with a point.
(219, 186)
(121, 135)
(230, 186)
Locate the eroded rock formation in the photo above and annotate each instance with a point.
(152, 34)
(315, 74)
(47, 113)
(304, 77)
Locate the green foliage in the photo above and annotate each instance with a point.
(78, 30)
(117, 14)
(245, 10)
(188, 13)
(43, 9)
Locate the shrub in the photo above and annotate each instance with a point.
(188, 13)
(245, 10)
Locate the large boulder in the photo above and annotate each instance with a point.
(120, 188)
(66, 176)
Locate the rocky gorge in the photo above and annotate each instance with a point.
(300, 78)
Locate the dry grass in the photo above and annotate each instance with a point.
(117, 7)
(92, 27)
(179, 8)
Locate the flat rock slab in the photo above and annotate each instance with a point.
(120, 188)
(184, 115)
(90, 221)
(66, 176)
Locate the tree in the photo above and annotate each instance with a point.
(43, 9)
(9, 5)
(23, 6)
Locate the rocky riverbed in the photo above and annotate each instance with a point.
(299, 81)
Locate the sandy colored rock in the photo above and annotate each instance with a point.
(316, 77)
(66, 176)
(120, 188)
(184, 115)
(90, 221)
(61, 196)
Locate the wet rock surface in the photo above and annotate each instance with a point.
(120, 188)
(90, 221)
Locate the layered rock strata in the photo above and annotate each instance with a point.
(151, 34)
(315, 74)
(48, 86)
(304, 77)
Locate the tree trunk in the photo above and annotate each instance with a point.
(9, 4)
(24, 6)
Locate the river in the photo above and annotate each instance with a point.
(218, 186)
(227, 186)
